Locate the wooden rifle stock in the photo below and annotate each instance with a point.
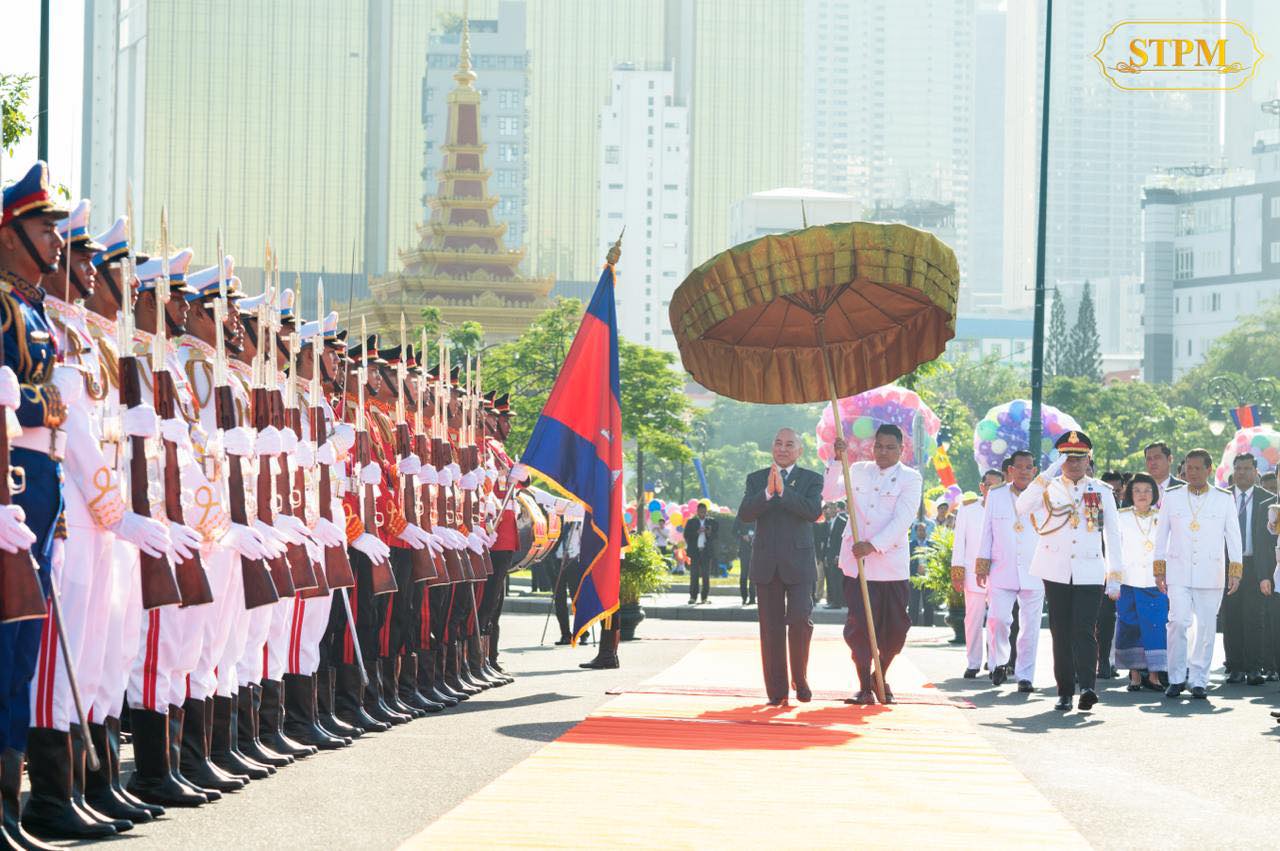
(159, 587)
(382, 579)
(424, 568)
(300, 569)
(21, 595)
(259, 589)
(193, 583)
(422, 448)
(454, 561)
(279, 566)
(321, 588)
(477, 559)
(337, 566)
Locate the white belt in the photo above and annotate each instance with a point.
(46, 441)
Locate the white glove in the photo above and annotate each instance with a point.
(1056, 467)
(139, 421)
(344, 437)
(371, 474)
(455, 472)
(491, 538)
(519, 473)
(327, 533)
(305, 455)
(444, 477)
(372, 547)
(146, 534)
(9, 395)
(272, 540)
(468, 481)
(1113, 588)
(14, 534)
(434, 543)
(409, 465)
(475, 543)
(288, 441)
(428, 475)
(292, 529)
(268, 442)
(70, 384)
(452, 538)
(238, 441)
(176, 431)
(245, 541)
(413, 536)
(490, 475)
(326, 455)
(185, 541)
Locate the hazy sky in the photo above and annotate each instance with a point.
(20, 53)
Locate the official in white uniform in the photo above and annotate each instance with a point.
(1197, 523)
(1007, 544)
(1079, 513)
(964, 579)
(886, 498)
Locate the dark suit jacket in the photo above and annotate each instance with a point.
(691, 536)
(784, 526)
(1263, 562)
(834, 535)
(743, 530)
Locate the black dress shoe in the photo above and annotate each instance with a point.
(1174, 690)
(1255, 678)
(782, 701)
(1063, 704)
(693, 601)
(804, 694)
(564, 641)
(1088, 698)
(999, 675)
(1025, 687)
(1199, 693)
(970, 673)
(888, 694)
(864, 697)
(1236, 677)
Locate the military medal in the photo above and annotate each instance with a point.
(1195, 526)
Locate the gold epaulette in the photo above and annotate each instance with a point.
(190, 370)
(997, 487)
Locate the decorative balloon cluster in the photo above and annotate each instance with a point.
(669, 517)
(1006, 430)
(861, 415)
(1263, 442)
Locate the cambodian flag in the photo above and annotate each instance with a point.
(577, 445)
(1246, 416)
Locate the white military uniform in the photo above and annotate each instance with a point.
(1067, 550)
(886, 502)
(1192, 532)
(1008, 545)
(964, 557)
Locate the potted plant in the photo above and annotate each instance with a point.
(644, 571)
(937, 579)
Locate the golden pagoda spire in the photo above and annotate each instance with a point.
(465, 76)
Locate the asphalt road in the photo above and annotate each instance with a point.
(1137, 772)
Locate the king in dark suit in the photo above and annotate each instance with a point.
(784, 500)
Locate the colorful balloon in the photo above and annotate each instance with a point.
(1262, 442)
(1004, 430)
(861, 415)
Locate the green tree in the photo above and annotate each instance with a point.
(1084, 350)
(15, 89)
(727, 466)
(466, 339)
(1056, 344)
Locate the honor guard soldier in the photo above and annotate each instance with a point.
(1197, 524)
(1078, 547)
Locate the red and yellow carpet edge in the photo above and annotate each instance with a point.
(693, 759)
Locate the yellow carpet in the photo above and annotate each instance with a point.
(692, 759)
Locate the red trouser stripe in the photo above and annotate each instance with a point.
(424, 633)
(264, 659)
(295, 636)
(151, 661)
(46, 670)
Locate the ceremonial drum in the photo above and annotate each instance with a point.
(531, 529)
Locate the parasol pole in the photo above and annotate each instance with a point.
(853, 514)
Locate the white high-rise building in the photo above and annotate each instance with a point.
(644, 187)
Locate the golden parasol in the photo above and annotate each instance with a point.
(816, 314)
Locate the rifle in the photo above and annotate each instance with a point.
(467, 455)
(422, 448)
(383, 580)
(295, 501)
(424, 568)
(259, 589)
(193, 583)
(454, 563)
(337, 566)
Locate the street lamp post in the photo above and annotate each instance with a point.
(1237, 392)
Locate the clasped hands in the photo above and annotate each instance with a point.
(774, 486)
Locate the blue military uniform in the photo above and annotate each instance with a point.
(30, 351)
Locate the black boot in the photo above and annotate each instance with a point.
(408, 685)
(176, 718)
(193, 761)
(50, 812)
(465, 674)
(12, 833)
(79, 765)
(390, 666)
(488, 646)
(248, 741)
(325, 717)
(476, 659)
(271, 723)
(300, 715)
(373, 702)
(453, 670)
(152, 781)
(98, 791)
(607, 654)
(348, 701)
(112, 725)
(222, 743)
(427, 680)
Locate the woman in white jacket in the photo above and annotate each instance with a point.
(1142, 612)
